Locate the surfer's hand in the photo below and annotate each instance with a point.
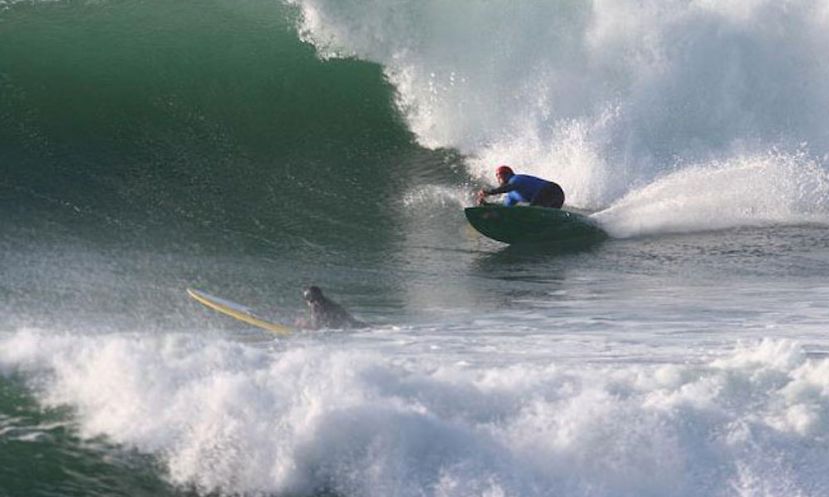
(479, 197)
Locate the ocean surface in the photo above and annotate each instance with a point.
(251, 147)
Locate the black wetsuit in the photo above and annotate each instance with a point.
(325, 313)
(551, 195)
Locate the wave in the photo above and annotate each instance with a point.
(237, 419)
(199, 117)
(221, 117)
(605, 97)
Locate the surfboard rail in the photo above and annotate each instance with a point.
(237, 311)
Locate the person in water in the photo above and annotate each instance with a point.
(325, 313)
(525, 189)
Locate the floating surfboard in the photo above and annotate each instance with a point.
(237, 311)
(529, 224)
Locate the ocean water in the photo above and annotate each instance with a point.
(251, 147)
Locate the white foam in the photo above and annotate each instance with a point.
(436, 195)
(604, 97)
(225, 416)
(757, 190)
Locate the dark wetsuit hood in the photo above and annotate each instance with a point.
(325, 313)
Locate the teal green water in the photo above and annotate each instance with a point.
(184, 126)
(130, 118)
(193, 129)
(43, 454)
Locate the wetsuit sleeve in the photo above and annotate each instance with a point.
(501, 189)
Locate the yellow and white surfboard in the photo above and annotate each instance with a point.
(238, 311)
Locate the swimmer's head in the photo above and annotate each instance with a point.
(312, 294)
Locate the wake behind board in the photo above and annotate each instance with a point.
(237, 311)
(529, 224)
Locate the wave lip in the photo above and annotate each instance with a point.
(603, 97)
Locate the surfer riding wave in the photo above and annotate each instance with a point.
(523, 188)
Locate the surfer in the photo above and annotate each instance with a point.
(523, 188)
(325, 313)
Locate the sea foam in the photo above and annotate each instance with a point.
(605, 97)
(229, 417)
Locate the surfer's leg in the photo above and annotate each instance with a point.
(558, 196)
(550, 196)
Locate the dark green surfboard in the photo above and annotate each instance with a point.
(525, 224)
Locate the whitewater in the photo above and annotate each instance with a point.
(608, 97)
(250, 147)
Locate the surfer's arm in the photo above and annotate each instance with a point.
(483, 193)
(499, 190)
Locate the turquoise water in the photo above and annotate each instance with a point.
(250, 148)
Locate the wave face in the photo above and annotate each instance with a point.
(608, 96)
(138, 116)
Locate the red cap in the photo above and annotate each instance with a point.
(504, 171)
